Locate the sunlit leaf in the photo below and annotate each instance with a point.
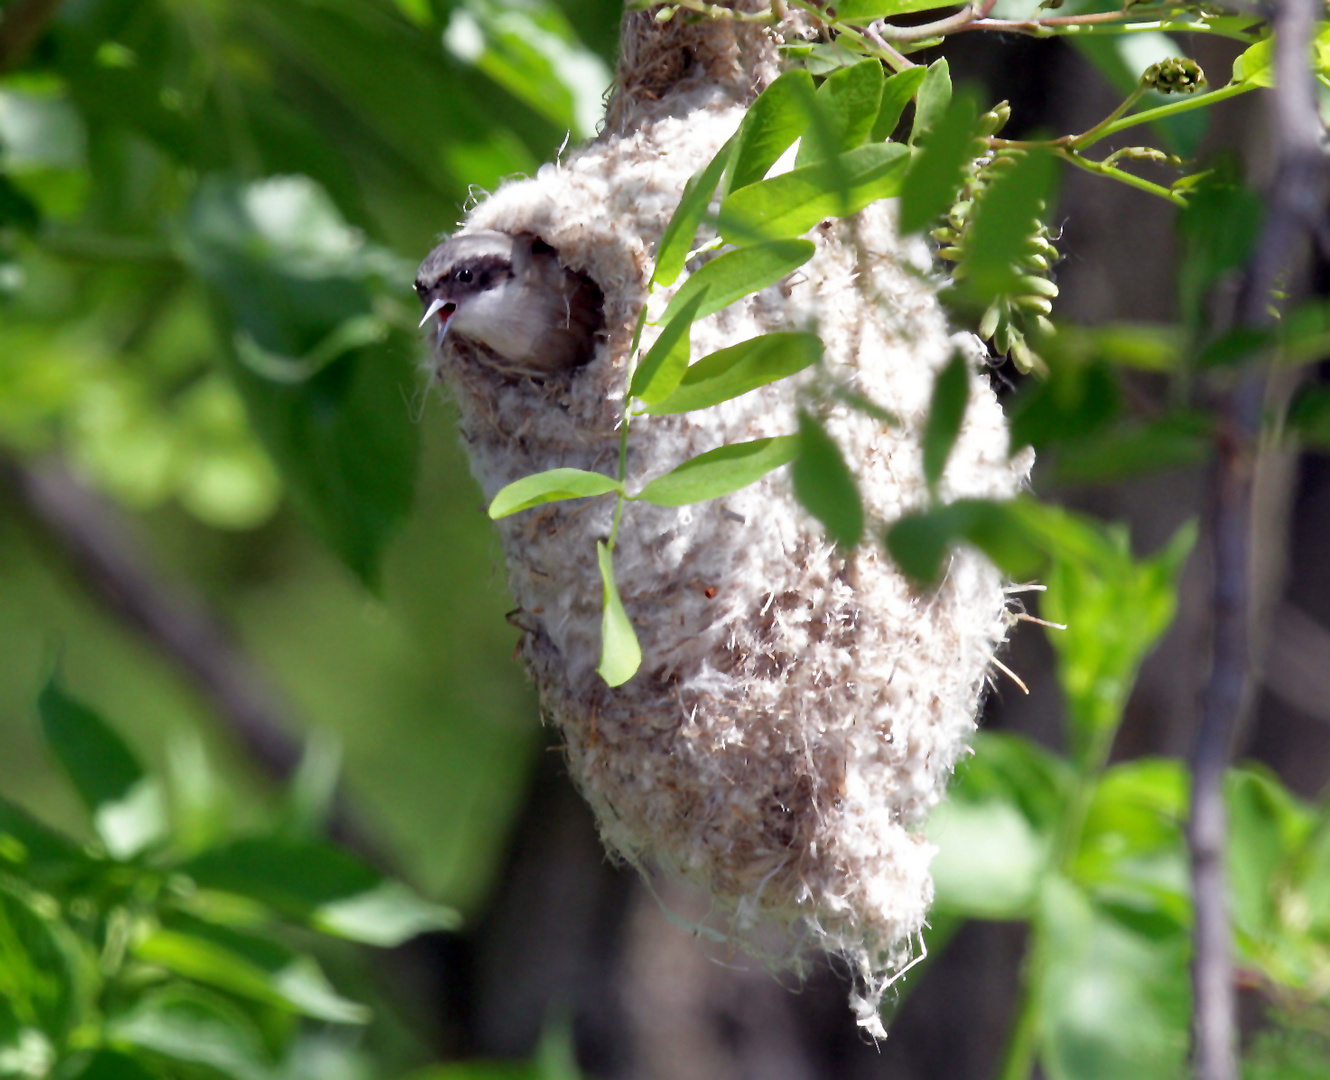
(727, 373)
(1256, 65)
(772, 123)
(1114, 994)
(184, 1029)
(735, 274)
(1115, 608)
(127, 805)
(550, 486)
(896, 94)
(845, 107)
(720, 471)
(996, 831)
(1132, 848)
(250, 967)
(951, 394)
(824, 485)
(321, 885)
(534, 54)
(792, 203)
(663, 366)
(932, 99)
(620, 654)
(44, 975)
(677, 239)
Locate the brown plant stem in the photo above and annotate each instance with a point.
(100, 546)
(1295, 203)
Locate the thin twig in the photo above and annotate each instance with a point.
(21, 27)
(101, 547)
(1295, 204)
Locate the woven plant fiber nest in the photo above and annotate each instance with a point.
(798, 710)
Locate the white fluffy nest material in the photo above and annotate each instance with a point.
(797, 712)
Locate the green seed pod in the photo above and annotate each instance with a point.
(1038, 286)
(1036, 304)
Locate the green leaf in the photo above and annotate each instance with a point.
(1112, 989)
(845, 108)
(896, 94)
(1309, 416)
(720, 471)
(996, 831)
(288, 275)
(778, 117)
(951, 394)
(727, 373)
(16, 209)
(1004, 219)
(1267, 825)
(1115, 609)
(1132, 848)
(127, 806)
(108, 1065)
(677, 239)
(38, 854)
(937, 167)
(667, 359)
(824, 485)
(321, 885)
(919, 542)
(184, 1028)
(550, 486)
(534, 54)
(933, 99)
(792, 203)
(735, 274)
(249, 967)
(42, 973)
(620, 654)
(1257, 64)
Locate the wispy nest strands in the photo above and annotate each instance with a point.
(798, 711)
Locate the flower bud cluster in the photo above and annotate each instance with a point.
(1011, 315)
(1177, 75)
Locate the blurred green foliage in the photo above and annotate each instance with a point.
(210, 213)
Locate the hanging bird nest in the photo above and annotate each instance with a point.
(798, 709)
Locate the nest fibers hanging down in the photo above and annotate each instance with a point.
(798, 710)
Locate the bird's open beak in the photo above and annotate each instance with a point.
(444, 309)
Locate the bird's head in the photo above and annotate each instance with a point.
(460, 272)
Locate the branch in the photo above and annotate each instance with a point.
(21, 28)
(1295, 202)
(110, 560)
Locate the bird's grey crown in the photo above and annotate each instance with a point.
(470, 263)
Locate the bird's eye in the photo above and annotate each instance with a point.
(464, 276)
(420, 288)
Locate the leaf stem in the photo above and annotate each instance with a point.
(1112, 173)
(1091, 135)
(1173, 108)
